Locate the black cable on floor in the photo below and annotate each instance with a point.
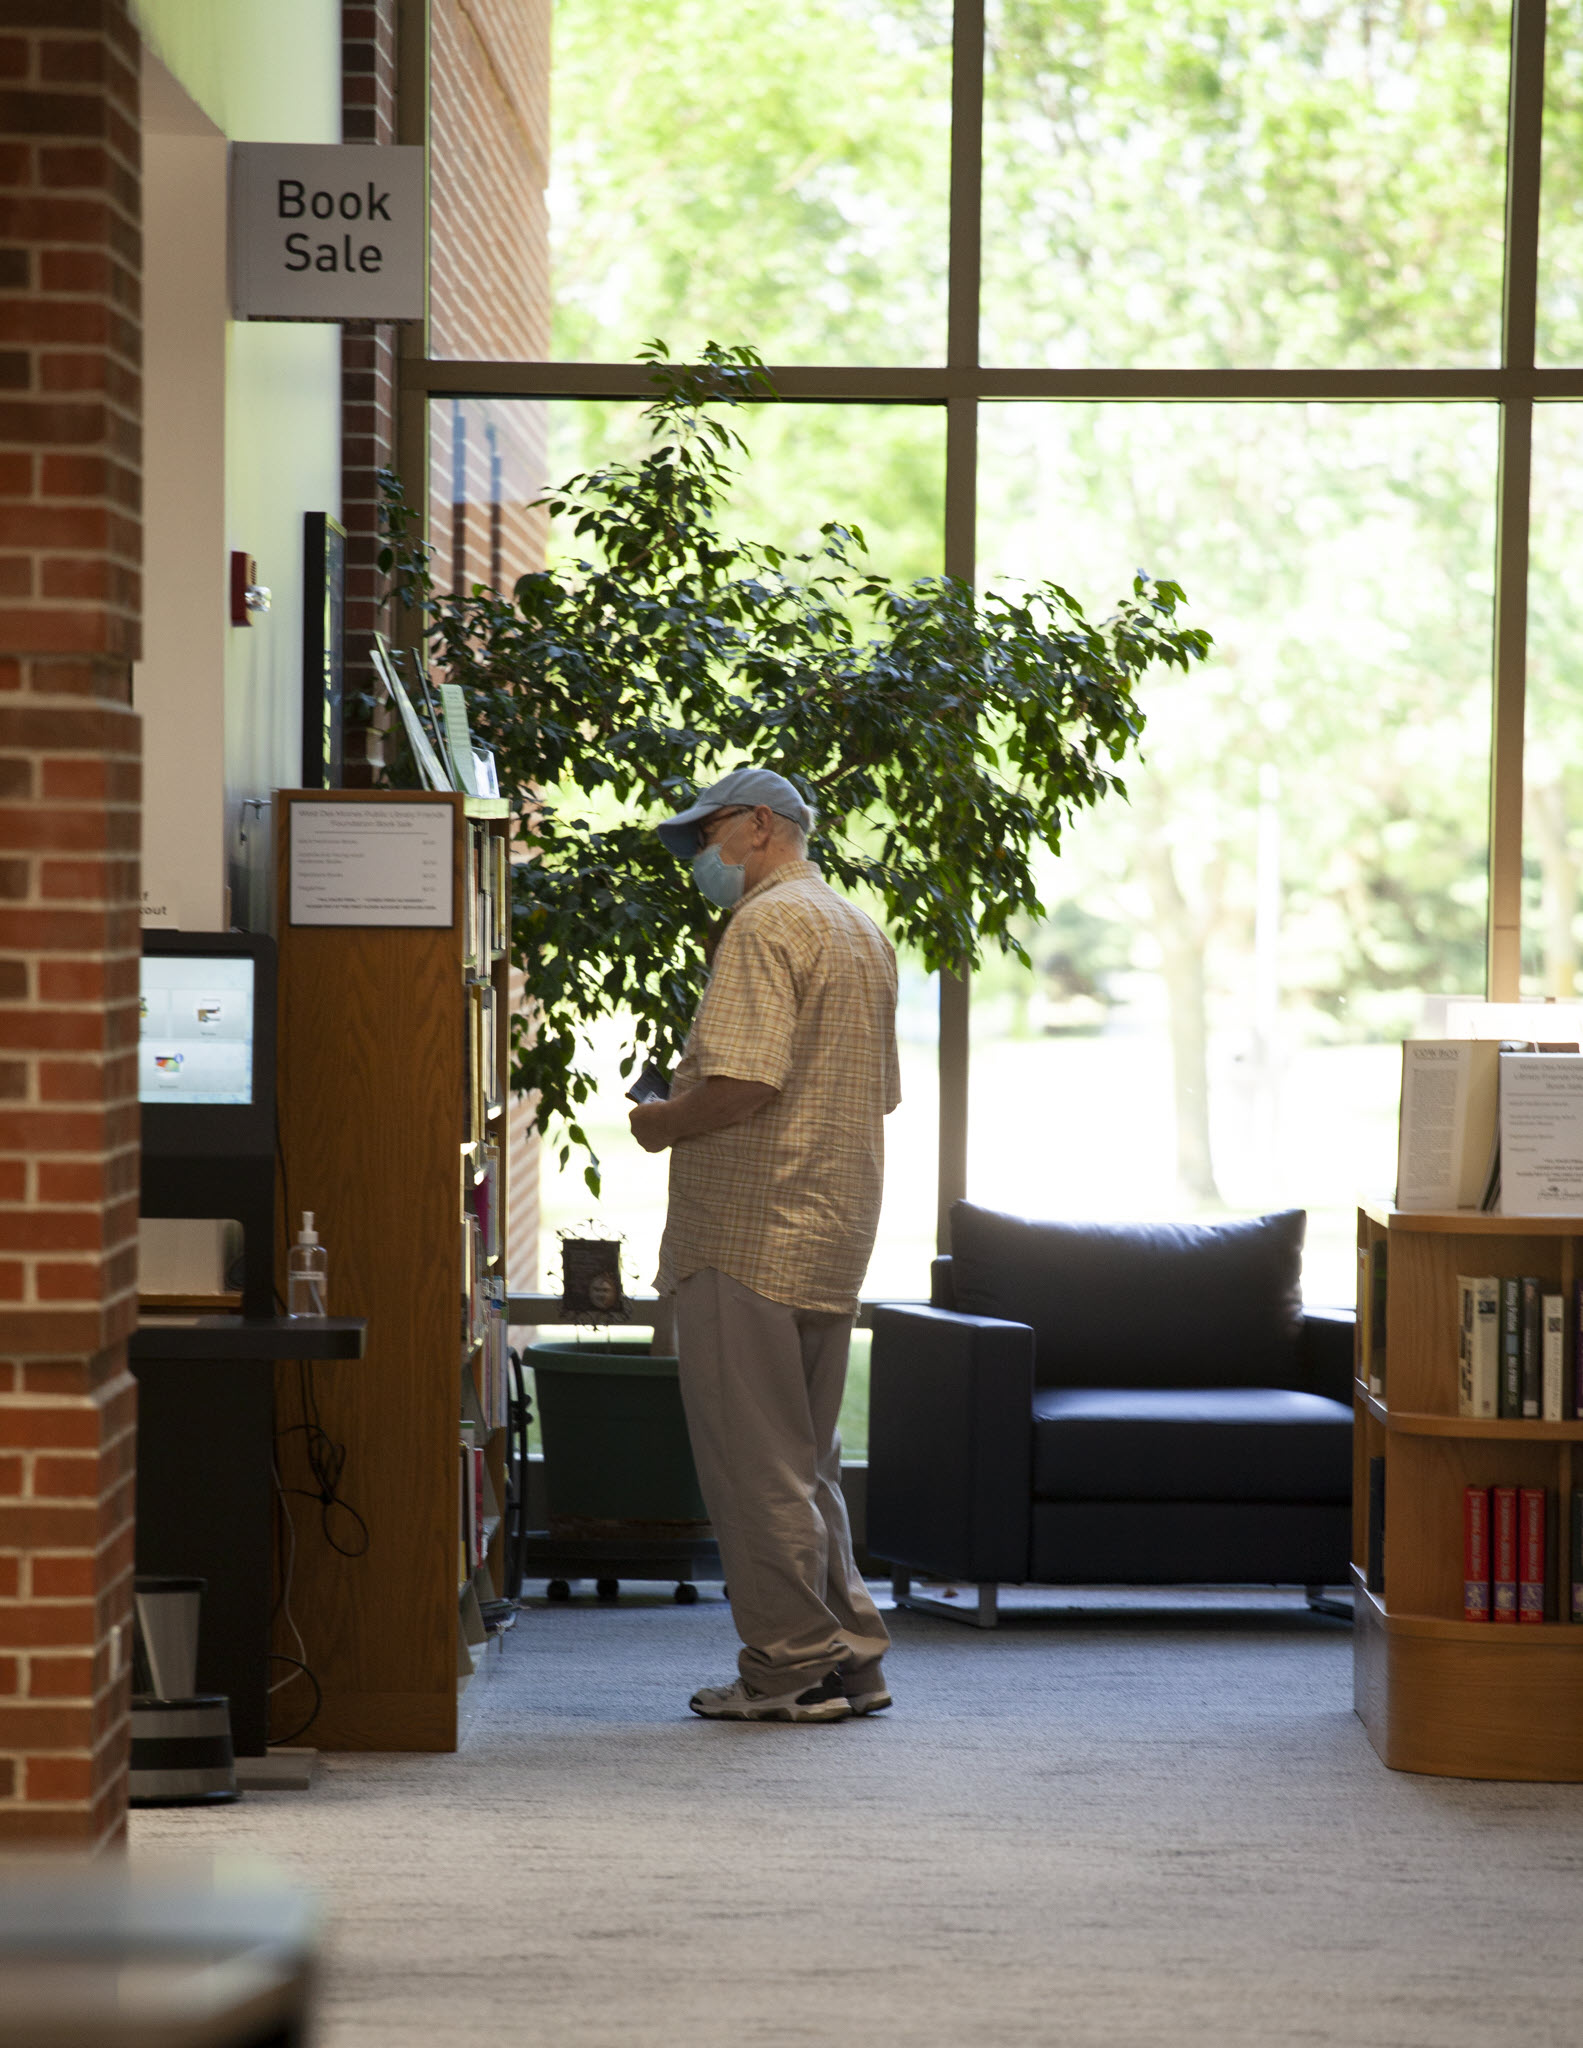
(282, 1741)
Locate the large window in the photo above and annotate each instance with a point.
(1187, 182)
(1233, 956)
(762, 172)
(1249, 297)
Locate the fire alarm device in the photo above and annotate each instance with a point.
(248, 595)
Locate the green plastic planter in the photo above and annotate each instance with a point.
(617, 1462)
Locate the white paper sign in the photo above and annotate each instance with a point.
(372, 864)
(1541, 1134)
(327, 231)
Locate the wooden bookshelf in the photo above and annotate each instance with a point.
(1439, 1694)
(392, 1092)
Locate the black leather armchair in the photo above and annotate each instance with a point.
(1087, 1404)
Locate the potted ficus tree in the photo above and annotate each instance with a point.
(942, 733)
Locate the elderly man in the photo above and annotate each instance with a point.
(776, 1127)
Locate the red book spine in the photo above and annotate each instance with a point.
(1476, 1554)
(1503, 1547)
(1531, 1554)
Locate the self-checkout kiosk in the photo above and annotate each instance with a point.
(206, 1381)
(206, 1083)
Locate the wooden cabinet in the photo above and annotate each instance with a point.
(392, 1093)
(1439, 1694)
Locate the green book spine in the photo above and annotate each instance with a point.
(1511, 1350)
(1533, 1369)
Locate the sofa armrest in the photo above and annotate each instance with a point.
(950, 1447)
(1325, 1350)
(942, 1286)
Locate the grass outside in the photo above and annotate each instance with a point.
(854, 1409)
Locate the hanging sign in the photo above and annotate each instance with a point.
(326, 231)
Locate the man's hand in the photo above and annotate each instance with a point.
(711, 1106)
(648, 1125)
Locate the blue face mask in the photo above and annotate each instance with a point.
(719, 881)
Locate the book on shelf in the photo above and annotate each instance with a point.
(1503, 1553)
(489, 1051)
(476, 1503)
(1478, 1346)
(475, 1270)
(1515, 1565)
(1476, 1554)
(497, 1356)
(467, 1506)
(502, 894)
(1511, 1387)
(484, 1196)
(1448, 1126)
(1553, 1342)
(1532, 1370)
(1531, 1545)
(470, 902)
(1512, 1350)
(483, 873)
(1575, 1378)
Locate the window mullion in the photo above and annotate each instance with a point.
(1519, 313)
(961, 516)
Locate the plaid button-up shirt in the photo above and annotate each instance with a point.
(803, 997)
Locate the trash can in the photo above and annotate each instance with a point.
(181, 1738)
(617, 1461)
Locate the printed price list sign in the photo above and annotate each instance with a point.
(372, 864)
(1541, 1134)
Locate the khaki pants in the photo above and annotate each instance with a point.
(762, 1385)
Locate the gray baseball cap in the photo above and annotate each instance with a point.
(747, 786)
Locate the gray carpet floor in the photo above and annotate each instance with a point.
(1152, 1824)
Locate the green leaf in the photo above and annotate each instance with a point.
(945, 736)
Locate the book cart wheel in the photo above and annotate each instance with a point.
(558, 1589)
(608, 1589)
(686, 1593)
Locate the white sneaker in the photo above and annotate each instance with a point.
(866, 1690)
(822, 1702)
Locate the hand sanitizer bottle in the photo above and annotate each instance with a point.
(307, 1273)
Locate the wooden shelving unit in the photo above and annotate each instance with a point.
(392, 1091)
(1436, 1693)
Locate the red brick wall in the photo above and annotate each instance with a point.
(490, 282)
(490, 278)
(69, 939)
(490, 109)
(368, 379)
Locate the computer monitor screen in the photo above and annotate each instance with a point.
(196, 1042)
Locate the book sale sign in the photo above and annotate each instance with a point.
(326, 231)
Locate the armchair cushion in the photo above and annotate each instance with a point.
(1131, 1305)
(1199, 1444)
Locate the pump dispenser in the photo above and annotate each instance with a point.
(307, 1273)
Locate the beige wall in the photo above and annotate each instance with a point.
(261, 427)
(242, 437)
(179, 683)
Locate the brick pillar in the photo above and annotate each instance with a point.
(368, 387)
(69, 939)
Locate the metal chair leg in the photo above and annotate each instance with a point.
(981, 1612)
